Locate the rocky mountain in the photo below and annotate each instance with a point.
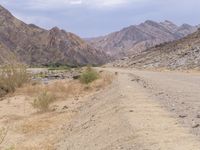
(36, 46)
(180, 54)
(137, 38)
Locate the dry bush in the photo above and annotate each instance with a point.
(89, 75)
(3, 134)
(104, 80)
(62, 90)
(43, 101)
(12, 77)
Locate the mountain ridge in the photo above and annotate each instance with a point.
(33, 45)
(181, 54)
(137, 38)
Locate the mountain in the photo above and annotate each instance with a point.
(36, 46)
(137, 38)
(181, 54)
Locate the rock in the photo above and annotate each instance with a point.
(182, 116)
(65, 107)
(160, 93)
(76, 77)
(54, 109)
(196, 126)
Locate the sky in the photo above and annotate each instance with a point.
(90, 18)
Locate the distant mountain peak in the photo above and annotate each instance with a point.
(150, 22)
(169, 22)
(55, 29)
(137, 38)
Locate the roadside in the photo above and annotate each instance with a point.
(127, 116)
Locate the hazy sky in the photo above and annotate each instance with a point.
(89, 18)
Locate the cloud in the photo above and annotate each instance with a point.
(50, 4)
(98, 17)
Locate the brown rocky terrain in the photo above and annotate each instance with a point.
(36, 46)
(136, 38)
(180, 54)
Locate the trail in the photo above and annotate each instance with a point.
(135, 113)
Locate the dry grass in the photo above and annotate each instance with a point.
(3, 133)
(62, 90)
(35, 126)
(43, 101)
(12, 77)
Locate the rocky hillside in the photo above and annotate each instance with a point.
(136, 38)
(180, 54)
(36, 46)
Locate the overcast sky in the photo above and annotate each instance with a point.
(89, 18)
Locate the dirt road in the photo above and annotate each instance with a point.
(141, 110)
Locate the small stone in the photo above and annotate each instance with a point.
(198, 116)
(54, 109)
(76, 77)
(160, 93)
(182, 116)
(196, 126)
(131, 110)
(65, 107)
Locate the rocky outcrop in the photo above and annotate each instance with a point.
(137, 38)
(36, 46)
(180, 54)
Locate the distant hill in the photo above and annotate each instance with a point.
(180, 54)
(36, 46)
(137, 38)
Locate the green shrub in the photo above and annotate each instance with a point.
(43, 101)
(89, 76)
(12, 77)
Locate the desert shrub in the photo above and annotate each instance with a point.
(12, 77)
(89, 75)
(43, 101)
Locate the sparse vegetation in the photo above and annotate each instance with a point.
(3, 133)
(12, 77)
(89, 76)
(10, 148)
(43, 101)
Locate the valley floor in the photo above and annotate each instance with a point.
(140, 110)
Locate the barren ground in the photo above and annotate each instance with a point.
(140, 110)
